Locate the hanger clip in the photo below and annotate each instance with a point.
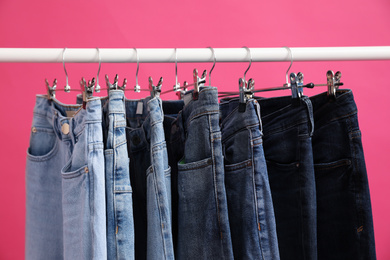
(198, 82)
(181, 92)
(155, 91)
(88, 89)
(333, 83)
(300, 84)
(51, 91)
(246, 92)
(115, 85)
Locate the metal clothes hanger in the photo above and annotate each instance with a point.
(97, 87)
(137, 88)
(181, 90)
(245, 88)
(212, 68)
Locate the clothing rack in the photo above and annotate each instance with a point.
(192, 55)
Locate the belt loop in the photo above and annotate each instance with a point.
(257, 106)
(310, 112)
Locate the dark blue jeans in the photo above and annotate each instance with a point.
(287, 129)
(203, 224)
(345, 227)
(150, 178)
(251, 212)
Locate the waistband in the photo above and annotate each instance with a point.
(206, 103)
(234, 121)
(279, 113)
(138, 129)
(75, 116)
(327, 110)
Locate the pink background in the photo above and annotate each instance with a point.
(163, 24)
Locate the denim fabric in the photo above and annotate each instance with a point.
(83, 186)
(344, 223)
(49, 151)
(120, 224)
(251, 212)
(203, 223)
(287, 129)
(150, 178)
(171, 109)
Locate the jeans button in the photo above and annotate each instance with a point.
(65, 129)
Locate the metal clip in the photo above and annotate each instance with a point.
(198, 82)
(87, 89)
(330, 81)
(51, 91)
(246, 92)
(180, 94)
(155, 91)
(114, 85)
(300, 84)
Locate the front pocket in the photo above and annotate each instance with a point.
(67, 174)
(43, 144)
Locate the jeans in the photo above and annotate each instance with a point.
(203, 223)
(251, 212)
(120, 224)
(171, 109)
(50, 148)
(288, 128)
(83, 186)
(345, 226)
(150, 176)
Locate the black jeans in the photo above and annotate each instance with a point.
(344, 223)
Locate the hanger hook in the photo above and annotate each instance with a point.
(137, 88)
(176, 87)
(97, 88)
(215, 60)
(250, 62)
(291, 57)
(67, 87)
(176, 65)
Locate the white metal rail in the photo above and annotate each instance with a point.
(128, 55)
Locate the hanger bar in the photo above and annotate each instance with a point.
(193, 55)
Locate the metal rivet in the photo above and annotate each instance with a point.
(86, 169)
(33, 129)
(65, 128)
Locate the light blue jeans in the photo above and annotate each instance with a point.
(50, 148)
(83, 187)
(120, 224)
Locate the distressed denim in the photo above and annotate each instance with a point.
(203, 222)
(344, 222)
(251, 212)
(288, 127)
(83, 186)
(50, 148)
(120, 224)
(150, 176)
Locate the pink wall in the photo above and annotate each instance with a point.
(190, 24)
